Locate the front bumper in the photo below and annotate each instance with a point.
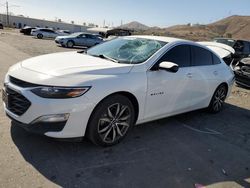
(40, 128)
(79, 110)
(59, 42)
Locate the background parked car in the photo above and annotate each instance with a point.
(241, 47)
(27, 30)
(46, 33)
(67, 32)
(79, 39)
(242, 72)
(1, 26)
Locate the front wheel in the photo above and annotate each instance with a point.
(111, 121)
(218, 100)
(70, 44)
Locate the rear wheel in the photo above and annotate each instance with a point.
(40, 36)
(70, 44)
(218, 100)
(111, 121)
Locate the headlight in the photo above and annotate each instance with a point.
(59, 92)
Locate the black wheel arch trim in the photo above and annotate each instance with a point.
(129, 95)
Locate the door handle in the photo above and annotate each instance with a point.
(189, 75)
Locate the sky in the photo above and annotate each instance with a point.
(162, 13)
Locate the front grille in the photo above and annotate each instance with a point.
(17, 103)
(21, 83)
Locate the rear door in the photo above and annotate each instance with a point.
(91, 40)
(81, 40)
(204, 75)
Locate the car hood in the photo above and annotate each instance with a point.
(73, 63)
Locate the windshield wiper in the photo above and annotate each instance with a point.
(106, 57)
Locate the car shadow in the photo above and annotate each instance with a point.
(75, 47)
(242, 86)
(180, 151)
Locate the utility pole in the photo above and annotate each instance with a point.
(7, 13)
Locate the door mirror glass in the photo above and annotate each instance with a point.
(169, 66)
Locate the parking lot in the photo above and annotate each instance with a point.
(194, 148)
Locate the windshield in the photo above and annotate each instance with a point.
(75, 34)
(127, 50)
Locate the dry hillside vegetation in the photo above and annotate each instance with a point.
(235, 26)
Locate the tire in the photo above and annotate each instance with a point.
(70, 44)
(40, 36)
(111, 121)
(218, 100)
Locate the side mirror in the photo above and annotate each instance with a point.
(169, 66)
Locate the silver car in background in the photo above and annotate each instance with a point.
(41, 33)
(79, 39)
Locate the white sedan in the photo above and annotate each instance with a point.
(41, 33)
(103, 92)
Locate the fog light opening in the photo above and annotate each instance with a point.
(51, 118)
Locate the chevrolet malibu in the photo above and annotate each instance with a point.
(103, 92)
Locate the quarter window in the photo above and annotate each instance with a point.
(216, 60)
(201, 56)
(179, 55)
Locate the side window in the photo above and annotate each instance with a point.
(216, 60)
(88, 36)
(179, 55)
(82, 36)
(48, 30)
(246, 48)
(91, 37)
(201, 56)
(239, 47)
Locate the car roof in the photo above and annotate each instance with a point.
(159, 38)
(46, 28)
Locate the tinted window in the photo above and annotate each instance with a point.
(179, 55)
(246, 48)
(201, 56)
(47, 30)
(216, 60)
(82, 36)
(239, 47)
(91, 36)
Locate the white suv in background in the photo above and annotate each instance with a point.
(41, 33)
(103, 92)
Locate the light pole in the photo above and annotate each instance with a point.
(7, 12)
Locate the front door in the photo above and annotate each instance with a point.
(169, 93)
